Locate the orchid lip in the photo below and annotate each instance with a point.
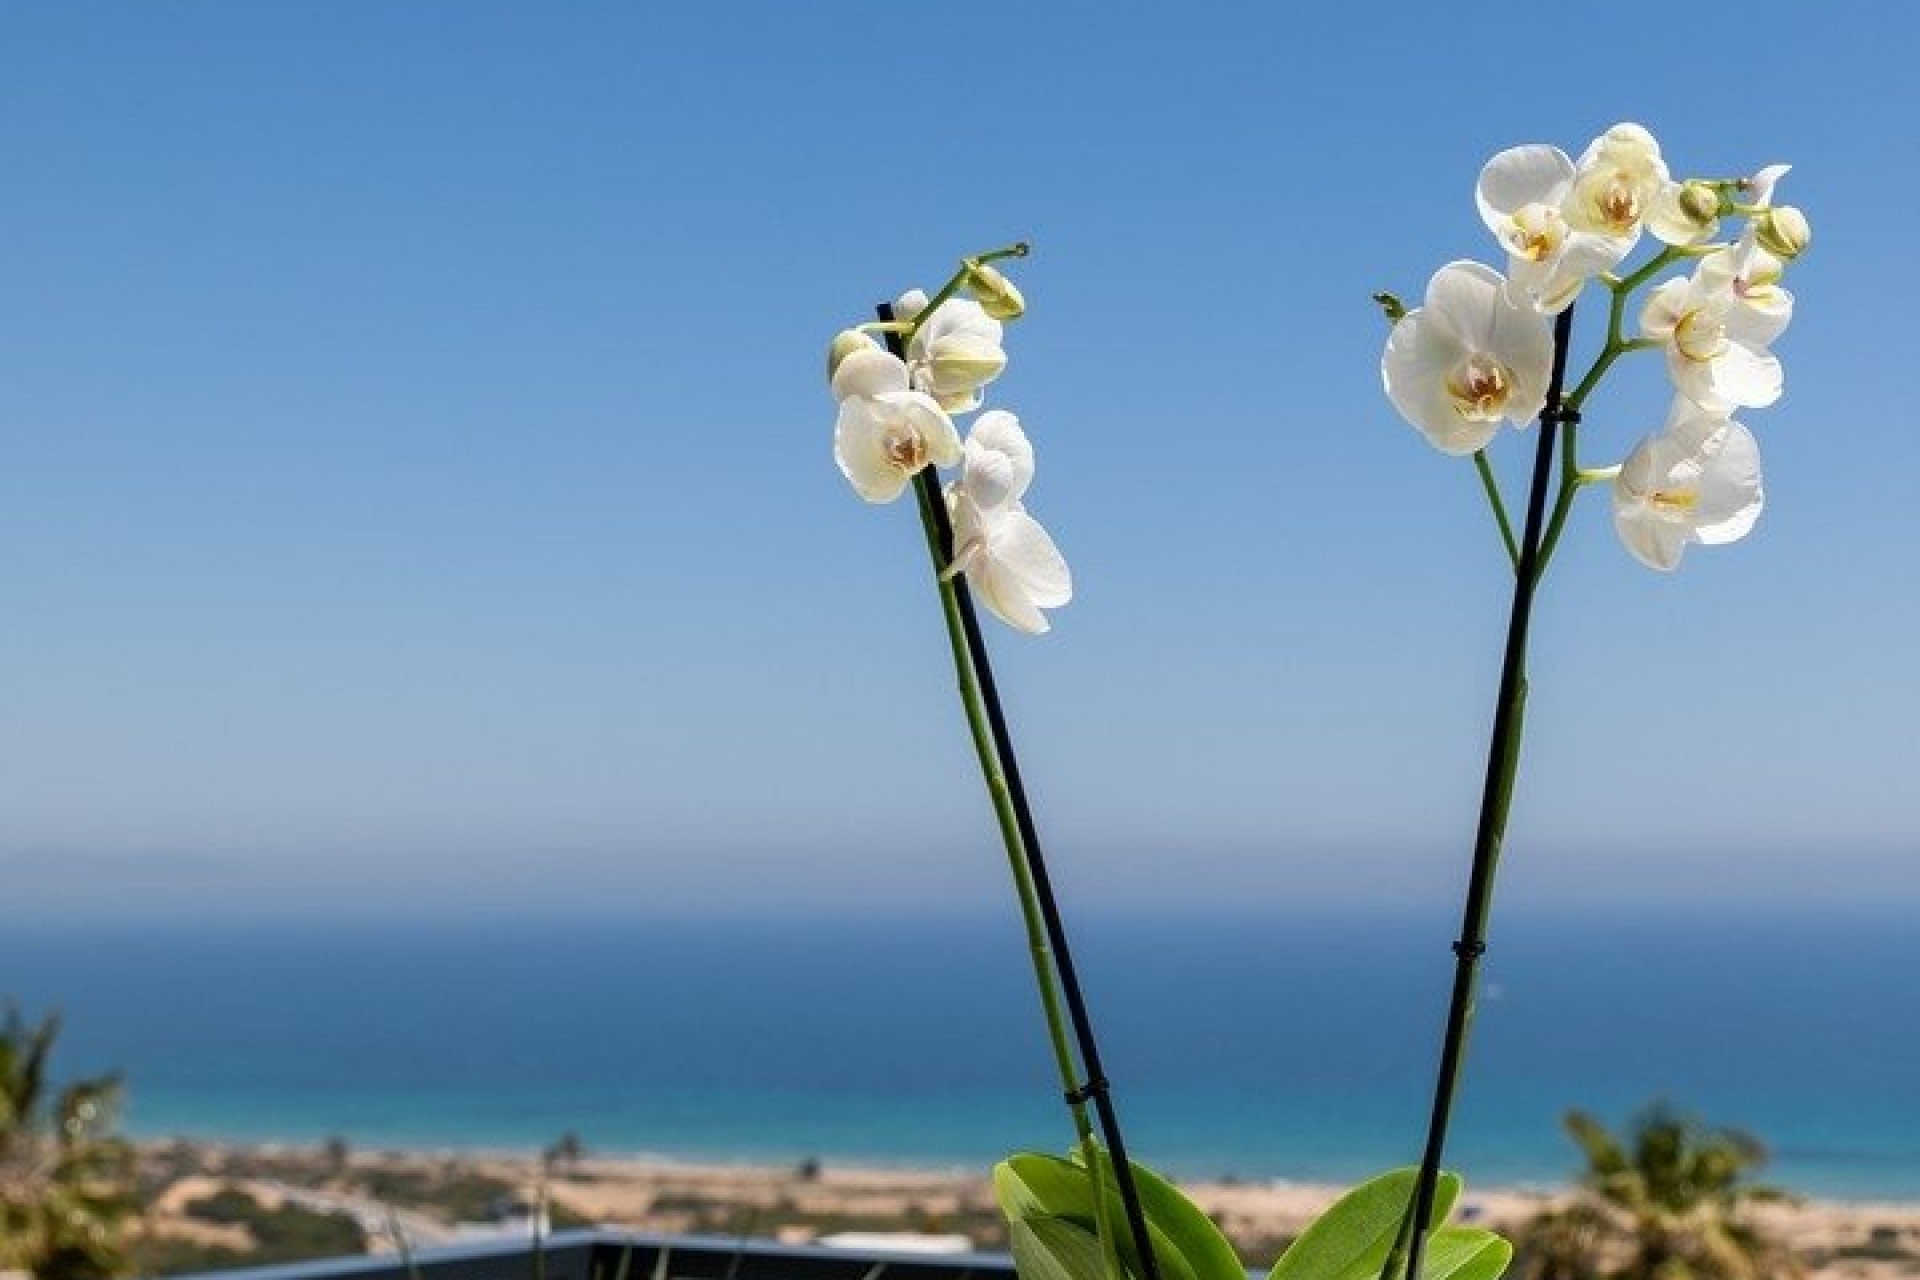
(1674, 499)
(1699, 337)
(1480, 388)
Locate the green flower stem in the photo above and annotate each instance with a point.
(1492, 486)
(959, 279)
(1617, 345)
(1040, 952)
(1572, 477)
(1503, 762)
(927, 492)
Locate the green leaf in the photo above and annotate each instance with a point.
(1047, 1248)
(1464, 1253)
(1031, 1184)
(1206, 1251)
(1185, 1244)
(1352, 1239)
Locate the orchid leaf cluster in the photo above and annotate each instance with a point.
(1049, 1204)
(1477, 352)
(896, 419)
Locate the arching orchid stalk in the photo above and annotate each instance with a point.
(895, 430)
(1483, 350)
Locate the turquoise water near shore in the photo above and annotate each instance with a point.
(1295, 1047)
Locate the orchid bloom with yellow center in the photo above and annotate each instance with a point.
(1615, 183)
(1522, 194)
(886, 433)
(1467, 360)
(1697, 479)
(1715, 338)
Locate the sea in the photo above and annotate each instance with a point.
(1295, 1045)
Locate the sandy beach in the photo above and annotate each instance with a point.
(440, 1197)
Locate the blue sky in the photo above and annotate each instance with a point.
(417, 489)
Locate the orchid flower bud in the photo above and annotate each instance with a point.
(1783, 232)
(1685, 213)
(998, 296)
(845, 343)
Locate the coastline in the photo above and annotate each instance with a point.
(799, 1203)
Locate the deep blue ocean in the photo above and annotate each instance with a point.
(1295, 1047)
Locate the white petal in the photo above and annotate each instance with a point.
(1653, 542)
(868, 425)
(1552, 285)
(931, 422)
(870, 372)
(960, 362)
(1476, 305)
(1519, 176)
(1760, 316)
(1000, 430)
(909, 304)
(1630, 147)
(1650, 533)
(1021, 545)
(1020, 572)
(959, 401)
(1421, 353)
(999, 460)
(987, 477)
(1669, 221)
(1538, 285)
(1523, 342)
(1465, 295)
(1696, 480)
(1760, 186)
(957, 316)
(857, 436)
(1469, 323)
(1744, 377)
(994, 588)
(1590, 253)
(1731, 494)
(1666, 303)
(1687, 421)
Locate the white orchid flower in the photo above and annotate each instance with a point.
(886, 432)
(1467, 360)
(1522, 194)
(1615, 182)
(955, 353)
(1010, 560)
(1715, 339)
(1695, 480)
